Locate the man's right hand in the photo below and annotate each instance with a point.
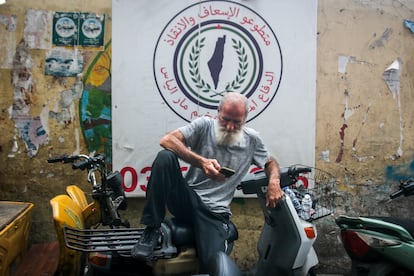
(175, 142)
(211, 169)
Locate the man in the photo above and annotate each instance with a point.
(202, 198)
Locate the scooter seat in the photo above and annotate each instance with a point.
(182, 233)
(407, 224)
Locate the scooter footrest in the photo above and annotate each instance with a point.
(101, 240)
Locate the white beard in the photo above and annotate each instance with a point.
(226, 138)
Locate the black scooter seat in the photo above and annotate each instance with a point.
(182, 233)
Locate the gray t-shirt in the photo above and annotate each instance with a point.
(200, 137)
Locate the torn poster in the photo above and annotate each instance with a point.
(37, 28)
(409, 24)
(342, 63)
(63, 63)
(29, 129)
(8, 41)
(391, 76)
(32, 133)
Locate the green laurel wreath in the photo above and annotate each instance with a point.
(204, 86)
(242, 71)
(193, 64)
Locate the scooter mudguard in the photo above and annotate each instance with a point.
(67, 213)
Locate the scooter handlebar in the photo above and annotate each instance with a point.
(406, 189)
(288, 176)
(397, 194)
(63, 159)
(84, 164)
(89, 162)
(296, 171)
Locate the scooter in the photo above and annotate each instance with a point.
(380, 245)
(94, 240)
(285, 245)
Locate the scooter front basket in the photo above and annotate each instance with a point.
(321, 186)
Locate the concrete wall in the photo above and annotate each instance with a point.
(364, 131)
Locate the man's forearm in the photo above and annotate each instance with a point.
(272, 169)
(274, 191)
(175, 142)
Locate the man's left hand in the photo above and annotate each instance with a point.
(274, 193)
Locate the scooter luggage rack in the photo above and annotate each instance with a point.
(101, 240)
(321, 186)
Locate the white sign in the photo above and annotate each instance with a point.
(174, 60)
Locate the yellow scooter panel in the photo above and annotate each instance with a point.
(77, 195)
(67, 213)
(91, 212)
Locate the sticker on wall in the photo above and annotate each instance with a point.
(91, 29)
(65, 28)
(83, 29)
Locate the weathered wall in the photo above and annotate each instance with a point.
(25, 178)
(364, 131)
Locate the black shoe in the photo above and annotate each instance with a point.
(145, 246)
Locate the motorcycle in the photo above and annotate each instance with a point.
(94, 240)
(380, 245)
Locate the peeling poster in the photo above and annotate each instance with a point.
(391, 76)
(63, 62)
(37, 29)
(7, 41)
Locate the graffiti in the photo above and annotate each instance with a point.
(400, 172)
(95, 105)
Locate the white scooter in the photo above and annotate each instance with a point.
(286, 242)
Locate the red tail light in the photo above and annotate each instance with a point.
(99, 259)
(354, 244)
